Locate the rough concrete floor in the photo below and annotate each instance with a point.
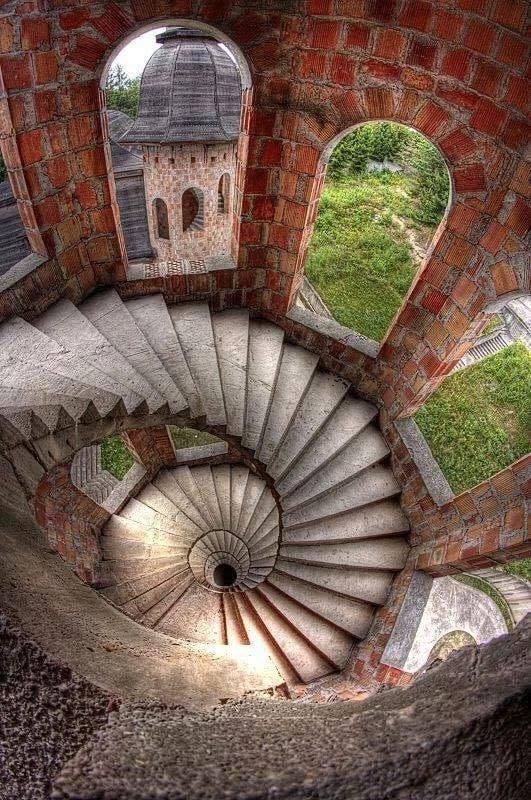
(457, 733)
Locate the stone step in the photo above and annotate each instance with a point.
(66, 325)
(382, 553)
(346, 422)
(222, 477)
(322, 398)
(22, 342)
(371, 586)
(206, 489)
(296, 371)
(231, 335)
(260, 636)
(373, 484)
(254, 489)
(305, 661)
(166, 497)
(331, 643)
(192, 323)
(265, 351)
(351, 616)
(110, 317)
(234, 627)
(237, 488)
(366, 449)
(378, 519)
(152, 317)
(181, 527)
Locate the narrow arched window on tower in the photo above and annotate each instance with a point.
(192, 208)
(223, 193)
(162, 225)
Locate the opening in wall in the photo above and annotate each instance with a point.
(224, 194)
(21, 246)
(162, 225)
(193, 210)
(162, 132)
(386, 192)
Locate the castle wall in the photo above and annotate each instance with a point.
(169, 170)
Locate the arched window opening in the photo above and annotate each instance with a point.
(385, 193)
(162, 224)
(224, 194)
(477, 422)
(158, 128)
(192, 209)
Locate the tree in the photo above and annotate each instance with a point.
(122, 92)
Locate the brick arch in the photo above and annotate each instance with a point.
(317, 66)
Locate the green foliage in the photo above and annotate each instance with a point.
(115, 457)
(122, 92)
(479, 420)
(432, 184)
(520, 568)
(3, 170)
(379, 141)
(359, 258)
(188, 437)
(486, 588)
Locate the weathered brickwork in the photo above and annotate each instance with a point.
(168, 173)
(454, 70)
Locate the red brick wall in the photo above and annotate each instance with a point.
(453, 70)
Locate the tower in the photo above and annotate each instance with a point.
(187, 127)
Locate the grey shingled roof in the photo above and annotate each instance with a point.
(119, 123)
(133, 214)
(190, 92)
(14, 245)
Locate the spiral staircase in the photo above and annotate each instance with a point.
(294, 548)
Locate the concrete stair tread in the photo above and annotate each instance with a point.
(373, 484)
(382, 553)
(371, 586)
(231, 336)
(323, 396)
(330, 642)
(351, 616)
(366, 449)
(350, 417)
(192, 323)
(295, 373)
(152, 317)
(265, 352)
(64, 323)
(110, 316)
(305, 661)
(378, 519)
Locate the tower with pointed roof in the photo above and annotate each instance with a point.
(187, 127)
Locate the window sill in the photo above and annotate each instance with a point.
(20, 270)
(331, 328)
(430, 472)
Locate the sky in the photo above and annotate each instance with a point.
(134, 57)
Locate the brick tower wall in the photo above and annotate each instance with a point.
(169, 170)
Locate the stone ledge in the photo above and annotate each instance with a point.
(186, 454)
(21, 269)
(331, 328)
(430, 472)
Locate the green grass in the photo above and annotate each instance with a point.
(115, 457)
(486, 588)
(188, 437)
(479, 420)
(360, 259)
(520, 568)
